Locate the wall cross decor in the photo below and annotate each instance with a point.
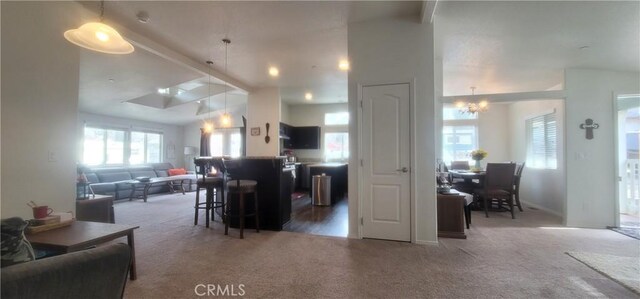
(589, 126)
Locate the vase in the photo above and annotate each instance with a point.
(478, 166)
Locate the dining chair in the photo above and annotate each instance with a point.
(498, 186)
(460, 165)
(516, 184)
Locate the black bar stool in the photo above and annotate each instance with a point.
(236, 185)
(212, 185)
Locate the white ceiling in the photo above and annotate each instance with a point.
(499, 47)
(305, 40)
(519, 46)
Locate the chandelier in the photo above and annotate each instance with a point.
(472, 107)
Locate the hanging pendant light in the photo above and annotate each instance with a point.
(98, 36)
(225, 120)
(208, 125)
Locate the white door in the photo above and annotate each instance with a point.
(386, 161)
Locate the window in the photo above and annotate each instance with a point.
(226, 142)
(452, 113)
(541, 141)
(236, 145)
(217, 144)
(103, 146)
(145, 148)
(338, 118)
(336, 146)
(458, 142)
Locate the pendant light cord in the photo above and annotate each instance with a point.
(226, 45)
(209, 63)
(101, 11)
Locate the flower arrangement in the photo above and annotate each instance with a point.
(479, 154)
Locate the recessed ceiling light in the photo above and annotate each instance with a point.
(111, 80)
(308, 96)
(343, 65)
(273, 71)
(198, 102)
(163, 90)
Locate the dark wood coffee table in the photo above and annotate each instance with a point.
(81, 235)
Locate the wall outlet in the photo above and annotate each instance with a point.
(52, 156)
(580, 156)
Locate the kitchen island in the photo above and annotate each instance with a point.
(274, 190)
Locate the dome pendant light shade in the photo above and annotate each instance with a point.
(99, 37)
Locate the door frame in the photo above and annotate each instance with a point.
(412, 157)
(616, 157)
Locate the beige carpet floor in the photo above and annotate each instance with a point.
(623, 269)
(502, 258)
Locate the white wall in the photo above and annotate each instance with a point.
(284, 112)
(263, 106)
(171, 134)
(493, 133)
(392, 51)
(313, 115)
(40, 75)
(590, 163)
(541, 188)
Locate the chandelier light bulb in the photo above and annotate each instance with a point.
(274, 72)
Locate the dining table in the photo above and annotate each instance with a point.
(468, 176)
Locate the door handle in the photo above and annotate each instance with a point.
(403, 169)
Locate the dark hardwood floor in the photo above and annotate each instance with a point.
(316, 220)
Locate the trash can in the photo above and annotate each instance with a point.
(321, 190)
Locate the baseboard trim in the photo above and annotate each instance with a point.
(423, 242)
(539, 207)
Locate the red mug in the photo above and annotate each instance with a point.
(41, 212)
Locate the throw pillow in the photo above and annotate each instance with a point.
(14, 247)
(177, 171)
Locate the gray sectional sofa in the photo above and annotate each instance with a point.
(114, 180)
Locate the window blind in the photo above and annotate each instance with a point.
(542, 141)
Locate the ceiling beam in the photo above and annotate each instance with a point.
(142, 42)
(151, 46)
(508, 97)
(428, 10)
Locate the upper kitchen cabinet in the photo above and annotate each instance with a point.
(300, 137)
(286, 132)
(306, 137)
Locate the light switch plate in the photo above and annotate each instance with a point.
(52, 156)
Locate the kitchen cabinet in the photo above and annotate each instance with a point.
(306, 137)
(300, 137)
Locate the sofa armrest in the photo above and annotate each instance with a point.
(94, 273)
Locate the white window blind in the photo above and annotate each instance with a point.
(542, 140)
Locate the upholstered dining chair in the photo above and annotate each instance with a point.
(460, 165)
(461, 184)
(498, 186)
(516, 184)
